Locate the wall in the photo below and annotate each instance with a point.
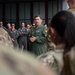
(25, 11)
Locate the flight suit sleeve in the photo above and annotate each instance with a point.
(42, 39)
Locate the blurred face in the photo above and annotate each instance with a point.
(1, 23)
(9, 25)
(23, 24)
(37, 21)
(33, 24)
(13, 25)
(28, 26)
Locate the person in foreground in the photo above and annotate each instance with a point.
(62, 32)
(15, 62)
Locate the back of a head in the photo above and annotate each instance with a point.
(64, 24)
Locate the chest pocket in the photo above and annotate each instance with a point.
(38, 33)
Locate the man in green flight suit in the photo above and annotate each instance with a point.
(37, 37)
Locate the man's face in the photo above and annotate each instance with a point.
(23, 24)
(38, 21)
(1, 24)
(9, 25)
(13, 25)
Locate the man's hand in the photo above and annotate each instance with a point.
(12, 39)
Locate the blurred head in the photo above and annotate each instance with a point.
(13, 25)
(37, 20)
(1, 23)
(33, 24)
(71, 3)
(22, 24)
(28, 26)
(63, 28)
(9, 25)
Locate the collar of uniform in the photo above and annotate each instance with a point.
(39, 26)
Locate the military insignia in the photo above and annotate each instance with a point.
(37, 31)
(46, 30)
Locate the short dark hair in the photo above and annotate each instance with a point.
(64, 23)
(38, 16)
(22, 22)
(13, 24)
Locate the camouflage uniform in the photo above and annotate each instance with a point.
(14, 62)
(53, 59)
(72, 10)
(5, 38)
(71, 54)
(72, 59)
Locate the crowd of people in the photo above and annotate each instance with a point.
(58, 58)
(27, 37)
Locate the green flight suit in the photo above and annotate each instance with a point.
(39, 46)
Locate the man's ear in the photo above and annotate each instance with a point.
(41, 20)
(52, 30)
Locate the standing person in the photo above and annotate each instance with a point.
(28, 27)
(71, 4)
(23, 36)
(8, 26)
(62, 32)
(37, 37)
(1, 25)
(14, 35)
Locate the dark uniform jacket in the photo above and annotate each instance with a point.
(23, 37)
(14, 34)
